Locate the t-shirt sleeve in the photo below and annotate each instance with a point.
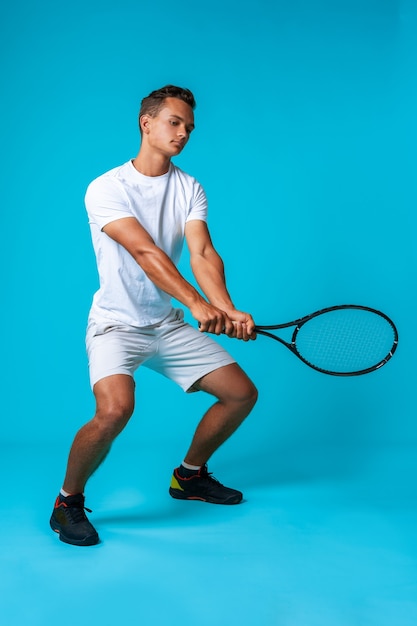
(105, 202)
(198, 210)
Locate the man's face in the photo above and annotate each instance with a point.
(170, 129)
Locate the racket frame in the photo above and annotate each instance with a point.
(299, 323)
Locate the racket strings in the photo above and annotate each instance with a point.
(346, 340)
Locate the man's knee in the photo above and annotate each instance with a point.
(250, 394)
(111, 418)
(112, 414)
(230, 384)
(242, 391)
(115, 404)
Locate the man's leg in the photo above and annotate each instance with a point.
(236, 396)
(114, 407)
(115, 403)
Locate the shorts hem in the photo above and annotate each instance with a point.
(94, 381)
(190, 388)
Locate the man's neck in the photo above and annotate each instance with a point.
(151, 165)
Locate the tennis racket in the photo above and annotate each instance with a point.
(344, 340)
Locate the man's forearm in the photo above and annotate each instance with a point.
(209, 274)
(163, 273)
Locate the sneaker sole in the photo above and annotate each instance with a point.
(92, 540)
(179, 495)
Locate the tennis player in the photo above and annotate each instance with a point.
(139, 214)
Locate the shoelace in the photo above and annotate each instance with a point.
(76, 512)
(204, 473)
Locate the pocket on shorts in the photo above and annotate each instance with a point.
(174, 320)
(178, 315)
(94, 330)
(102, 329)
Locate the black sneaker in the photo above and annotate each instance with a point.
(70, 522)
(202, 486)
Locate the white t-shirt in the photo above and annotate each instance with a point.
(162, 205)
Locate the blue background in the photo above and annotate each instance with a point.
(305, 143)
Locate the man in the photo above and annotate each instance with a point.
(139, 215)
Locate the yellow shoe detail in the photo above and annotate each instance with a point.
(175, 484)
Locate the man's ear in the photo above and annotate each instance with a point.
(144, 123)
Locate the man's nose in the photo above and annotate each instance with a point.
(182, 132)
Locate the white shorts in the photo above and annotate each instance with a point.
(172, 348)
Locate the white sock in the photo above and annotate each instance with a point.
(190, 467)
(65, 493)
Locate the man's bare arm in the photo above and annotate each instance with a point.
(159, 268)
(208, 269)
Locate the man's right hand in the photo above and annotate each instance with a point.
(211, 319)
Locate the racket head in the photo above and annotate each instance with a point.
(345, 340)
(342, 340)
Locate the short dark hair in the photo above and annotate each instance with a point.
(152, 104)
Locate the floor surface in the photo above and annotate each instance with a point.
(309, 546)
